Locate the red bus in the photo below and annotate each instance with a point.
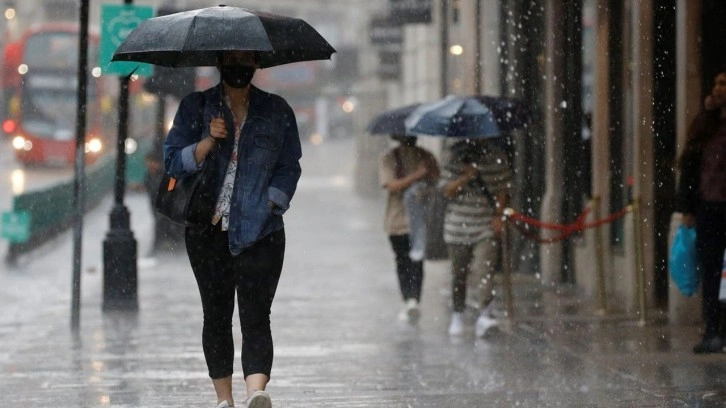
(40, 82)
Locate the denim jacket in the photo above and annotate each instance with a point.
(268, 166)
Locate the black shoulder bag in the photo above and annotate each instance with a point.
(191, 199)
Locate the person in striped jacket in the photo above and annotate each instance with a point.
(476, 180)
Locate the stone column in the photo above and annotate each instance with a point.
(642, 114)
(556, 46)
(600, 140)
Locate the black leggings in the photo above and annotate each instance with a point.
(254, 275)
(710, 244)
(410, 273)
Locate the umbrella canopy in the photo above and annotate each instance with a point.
(391, 122)
(453, 116)
(195, 38)
(510, 114)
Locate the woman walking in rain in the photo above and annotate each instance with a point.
(404, 172)
(476, 180)
(251, 139)
(702, 200)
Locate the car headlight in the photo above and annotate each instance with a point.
(94, 146)
(19, 143)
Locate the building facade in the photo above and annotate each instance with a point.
(612, 85)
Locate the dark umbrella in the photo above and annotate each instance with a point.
(509, 113)
(391, 122)
(195, 38)
(453, 116)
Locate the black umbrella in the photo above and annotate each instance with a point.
(391, 122)
(195, 38)
(509, 113)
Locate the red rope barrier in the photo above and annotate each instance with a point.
(607, 220)
(546, 225)
(538, 239)
(578, 225)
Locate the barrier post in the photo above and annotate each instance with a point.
(507, 266)
(599, 260)
(640, 268)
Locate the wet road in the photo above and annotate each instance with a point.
(16, 179)
(338, 342)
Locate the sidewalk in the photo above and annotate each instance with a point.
(337, 340)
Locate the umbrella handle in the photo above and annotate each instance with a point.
(212, 113)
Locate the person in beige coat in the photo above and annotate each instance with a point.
(399, 169)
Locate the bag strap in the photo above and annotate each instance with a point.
(481, 185)
(488, 194)
(200, 121)
(398, 163)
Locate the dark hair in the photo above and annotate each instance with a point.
(720, 70)
(405, 139)
(470, 150)
(704, 126)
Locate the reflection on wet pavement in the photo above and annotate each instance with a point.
(338, 342)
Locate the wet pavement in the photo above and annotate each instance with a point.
(337, 339)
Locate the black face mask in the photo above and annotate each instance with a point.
(237, 76)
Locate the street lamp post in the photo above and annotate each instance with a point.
(79, 179)
(444, 34)
(119, 248)
(477, 47)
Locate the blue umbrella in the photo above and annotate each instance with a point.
(510, 114)
(453, 116)
(468, 116)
